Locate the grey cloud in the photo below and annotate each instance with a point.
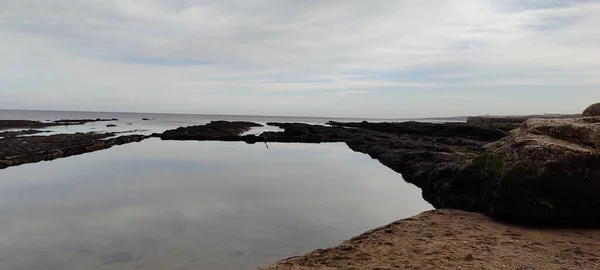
(186, 51)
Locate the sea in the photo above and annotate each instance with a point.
(190, 205)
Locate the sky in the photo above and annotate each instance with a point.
(351, 58)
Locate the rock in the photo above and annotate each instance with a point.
(7, 134)
(83, 121)
(21, 150)
(547, 171)
(215, 130)
(111, 125)
(145, 119)
(488, 119)
(9, 124)
(592, 110)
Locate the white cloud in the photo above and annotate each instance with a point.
(299, 57)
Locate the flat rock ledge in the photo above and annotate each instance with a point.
(16, 151)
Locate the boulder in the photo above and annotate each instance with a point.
(547, 171)
(592, 110)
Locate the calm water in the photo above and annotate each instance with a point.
(132, 123)
(193, 205)
(190, 205)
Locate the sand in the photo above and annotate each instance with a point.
(453, 239)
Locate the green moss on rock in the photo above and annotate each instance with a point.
(593, 110)
(490, 162)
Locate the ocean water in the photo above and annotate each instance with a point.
(191, 205)
(132, 123)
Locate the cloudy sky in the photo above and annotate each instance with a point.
(354, 58)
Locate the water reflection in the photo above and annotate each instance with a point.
(193, 205)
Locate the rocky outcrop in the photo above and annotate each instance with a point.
(83, 121)
(10, 124)
(21, 150)
(7, 134)
(518, 119)
(547, 171)
(215, 130)
(30, 124)
(453, 239)
(592, 110)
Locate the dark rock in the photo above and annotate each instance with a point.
(21, 150)
(215, 130)
(111, 125)
(547, 171)
(7, 134)
(83, 121)
(29, 124)
(516, 119)
(9, 124)
(592, 110)
(145, 119)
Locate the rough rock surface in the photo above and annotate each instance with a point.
(30, 124)
(10, 124)
(592, 110)
(453, 239)
(215, 130)
(20, 150)
(547, 171)
(518, 119)
(5, 134)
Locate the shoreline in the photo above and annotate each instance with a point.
(454, 239)
(455, 167)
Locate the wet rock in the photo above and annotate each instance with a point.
(29, 124)
(9, 124)
(215, 130)
(20, 150)
(7, 134)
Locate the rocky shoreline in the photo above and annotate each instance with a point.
(544, 171)
(539, 172)
(17, 150)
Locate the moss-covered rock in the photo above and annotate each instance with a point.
(548, 171)
(592, 110)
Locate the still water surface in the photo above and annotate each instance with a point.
(193, 205)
